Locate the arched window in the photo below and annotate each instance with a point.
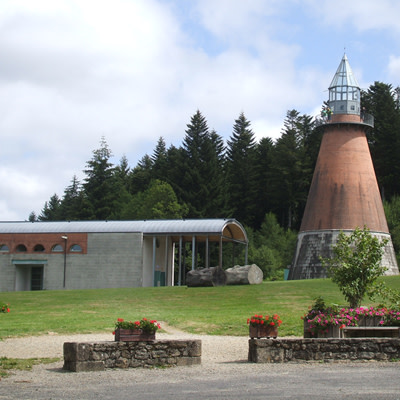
(4, 248)
(75, 248)
(38, 247)
(21, 248)
(57, 248)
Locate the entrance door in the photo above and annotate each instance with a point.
(37, 278)
(29, 277)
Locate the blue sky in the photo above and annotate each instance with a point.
(135, 70)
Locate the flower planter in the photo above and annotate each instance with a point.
(133, 335)
(369, 320)
(329, 332)
(260, 331)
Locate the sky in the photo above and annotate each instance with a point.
(132, 71)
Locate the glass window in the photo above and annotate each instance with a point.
(4, 247)
(76, 248)
(21, 247)
(57, 247)
(38, 247)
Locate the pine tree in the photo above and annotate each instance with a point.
(381, 101)
(51, 209)
(200, 186)
(291, 171)
(159, 160)
(73, 201)
(141, 175)
(99, 184)
(264, 160)
(242, 177)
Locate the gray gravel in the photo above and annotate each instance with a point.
(224, 374)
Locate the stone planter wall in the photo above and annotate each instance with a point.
(98, 356)
(348, 349)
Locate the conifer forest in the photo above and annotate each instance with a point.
(264, 184)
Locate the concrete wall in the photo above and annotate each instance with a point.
(314, 244)
(110, 260)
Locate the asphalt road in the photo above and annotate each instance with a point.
(234, 380)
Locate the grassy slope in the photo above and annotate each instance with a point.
(215, 310)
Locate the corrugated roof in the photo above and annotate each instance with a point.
(225, 227)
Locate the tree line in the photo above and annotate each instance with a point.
(264, 184)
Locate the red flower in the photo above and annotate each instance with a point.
(120, 320)
(272, 323)
(113, 333)
(8, 310)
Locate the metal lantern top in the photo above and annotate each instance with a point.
(344, 91)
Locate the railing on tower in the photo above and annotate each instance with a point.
(365, 118)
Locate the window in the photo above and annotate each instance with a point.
(21, 248)
(57, 247)
(4, 248)
(38, 247)
(75, 248)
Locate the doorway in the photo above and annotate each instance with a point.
(29, 277)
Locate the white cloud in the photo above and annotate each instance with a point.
(362, 14)
(133, 70)
(394, 68)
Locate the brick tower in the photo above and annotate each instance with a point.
(344, 193)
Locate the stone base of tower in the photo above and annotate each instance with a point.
(312, 245)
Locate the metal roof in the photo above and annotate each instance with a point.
(227, 228)
(344, 75)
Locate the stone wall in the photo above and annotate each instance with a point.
(98, 356)
(349, 349)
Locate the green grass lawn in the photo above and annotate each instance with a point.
(214, 310)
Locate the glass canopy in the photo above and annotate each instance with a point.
(344, 91)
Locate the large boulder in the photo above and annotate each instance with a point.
(244, 275)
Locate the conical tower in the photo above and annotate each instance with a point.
(344, 193)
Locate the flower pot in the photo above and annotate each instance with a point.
(260, 331)
(133, 335)
(369, 320)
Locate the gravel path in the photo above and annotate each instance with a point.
(51, 345)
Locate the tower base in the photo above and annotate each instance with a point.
(311, 245)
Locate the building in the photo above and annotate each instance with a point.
(344, 193)
(106, 254)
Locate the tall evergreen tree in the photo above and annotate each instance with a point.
(51, 209)
(264, 160)
(159, 160)
(200, 184)
(72, 203)
(291, 170)
(241, 167)
(381, 101)
(141, 175)
(99, 184)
